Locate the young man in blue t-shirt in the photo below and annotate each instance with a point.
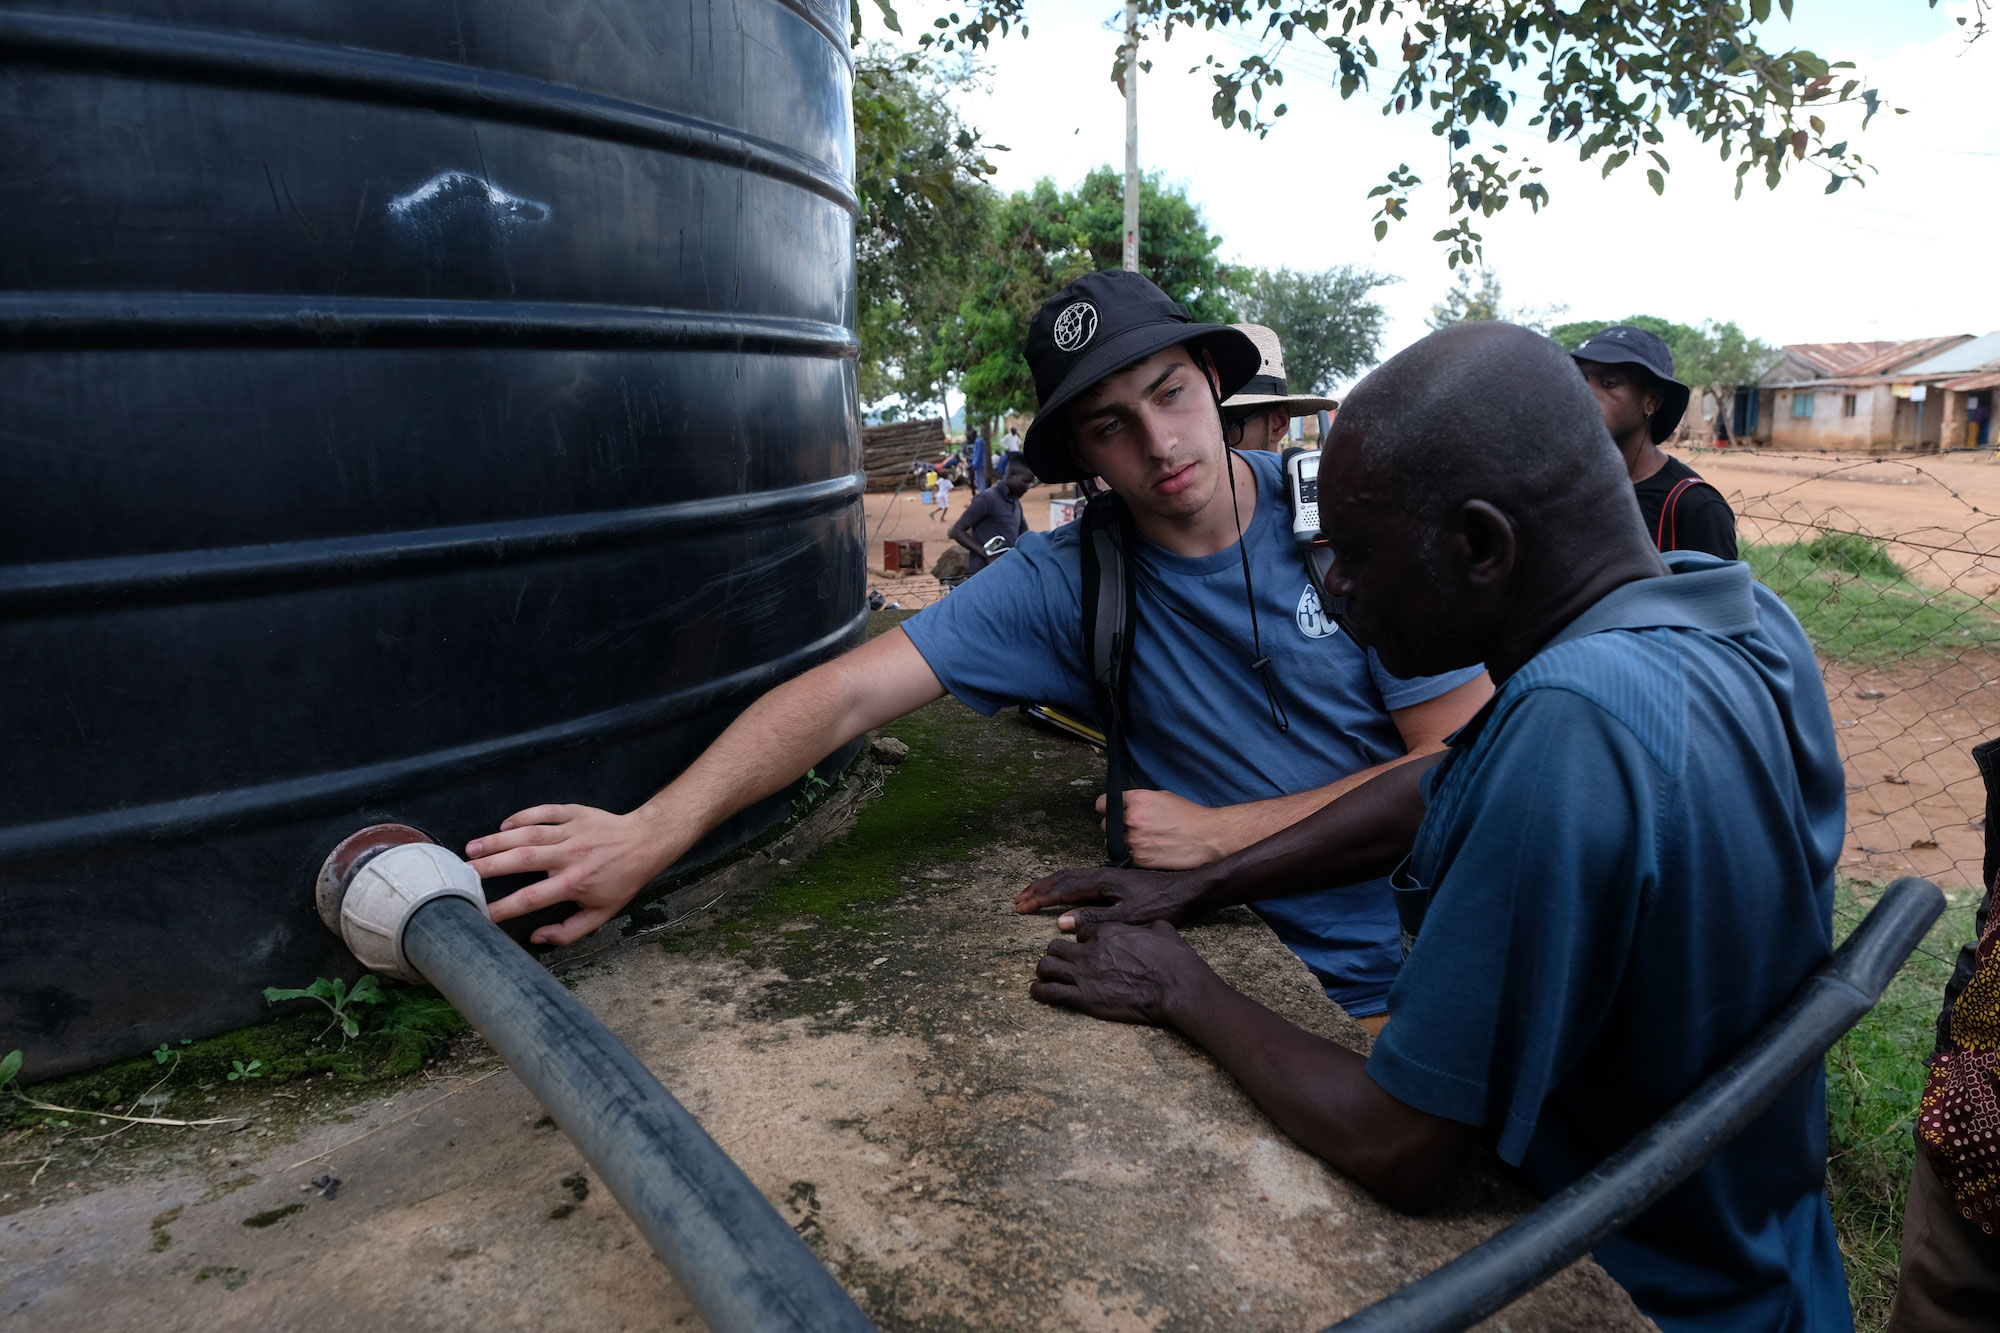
(1622, 867)
(1245, 715)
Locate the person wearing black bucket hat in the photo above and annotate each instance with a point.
(1249, 709)
(1631, 370)
(1107, 322)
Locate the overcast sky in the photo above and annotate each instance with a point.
(1909, 256)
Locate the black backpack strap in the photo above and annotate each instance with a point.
(1108, 607)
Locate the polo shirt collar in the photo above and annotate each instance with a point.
(1700, 592)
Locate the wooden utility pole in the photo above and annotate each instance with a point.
(1132, 135)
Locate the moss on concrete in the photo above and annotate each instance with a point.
(272, 1216)
(401, 1036)
(967, 783)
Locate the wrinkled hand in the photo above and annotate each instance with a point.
(1169, 832)
(593, 858)
(1133, 897)
(1124, 974)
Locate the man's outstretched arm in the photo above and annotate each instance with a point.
(961, 531)
(1317, 1091)
(1169, 832)
(599, 860)
(1359, 835)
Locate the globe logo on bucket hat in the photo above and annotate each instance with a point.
(1098, 325)
(1075, 325)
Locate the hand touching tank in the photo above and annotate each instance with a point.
(599, 860)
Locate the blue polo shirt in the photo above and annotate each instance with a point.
(1626, 864)
(1200, 725)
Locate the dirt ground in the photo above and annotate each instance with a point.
(1915, 802)
(906, 517)
(852, 1025)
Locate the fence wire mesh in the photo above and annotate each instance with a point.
(1898, 594)
(1899, 590)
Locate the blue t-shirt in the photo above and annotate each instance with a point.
(1627, 866)
(1200, 725)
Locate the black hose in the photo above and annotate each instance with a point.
(743, 1267)
(1515, 1260)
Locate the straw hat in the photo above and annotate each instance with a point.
(1267, 387)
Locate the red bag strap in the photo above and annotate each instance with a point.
(1661, 537)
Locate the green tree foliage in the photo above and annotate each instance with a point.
(1045, 237)
(926, 209)
(1604, 76)
(1575, 333)
(1711, 358)
(1327, 322)
(1467, 302)
(1721, 358)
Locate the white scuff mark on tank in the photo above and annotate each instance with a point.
(450, 188)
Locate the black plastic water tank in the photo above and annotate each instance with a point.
(411, 410)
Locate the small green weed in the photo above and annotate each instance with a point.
(400, 1032)
(334, 994)
(1858, 605)
(812, 788)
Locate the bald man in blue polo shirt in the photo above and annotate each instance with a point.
(1619, 868)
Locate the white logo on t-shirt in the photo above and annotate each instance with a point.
(1313, 621)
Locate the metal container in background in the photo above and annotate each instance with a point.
(412, 411)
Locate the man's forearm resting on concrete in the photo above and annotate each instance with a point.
(1357, 836)
(599, 860)
(1317, 1091)
(1169, 832)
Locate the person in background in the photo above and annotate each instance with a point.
(1128, 390)
(1949, 1281)
(943, 509)
(975, 457)
(1632, 373)
(1621, 867)
(994, 512)
(1010, 444)
(1259, 415)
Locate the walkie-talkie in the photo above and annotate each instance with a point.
(1302, 489)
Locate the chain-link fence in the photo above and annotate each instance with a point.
(1898, 592)
(1899, 601)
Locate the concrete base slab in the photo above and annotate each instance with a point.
(961, 1157)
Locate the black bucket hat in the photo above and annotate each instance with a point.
(1627, 345)
(1097, 326)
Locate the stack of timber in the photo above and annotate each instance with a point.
(886, 450)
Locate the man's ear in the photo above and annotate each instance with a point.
(1280, 423)
(1486, 538)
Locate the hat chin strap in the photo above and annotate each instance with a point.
(1261, 663)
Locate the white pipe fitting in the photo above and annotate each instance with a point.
(388, 889)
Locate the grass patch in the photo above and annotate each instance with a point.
(1874, 1076)
(273, 1216)
(401, 1036)
(1858, 605)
